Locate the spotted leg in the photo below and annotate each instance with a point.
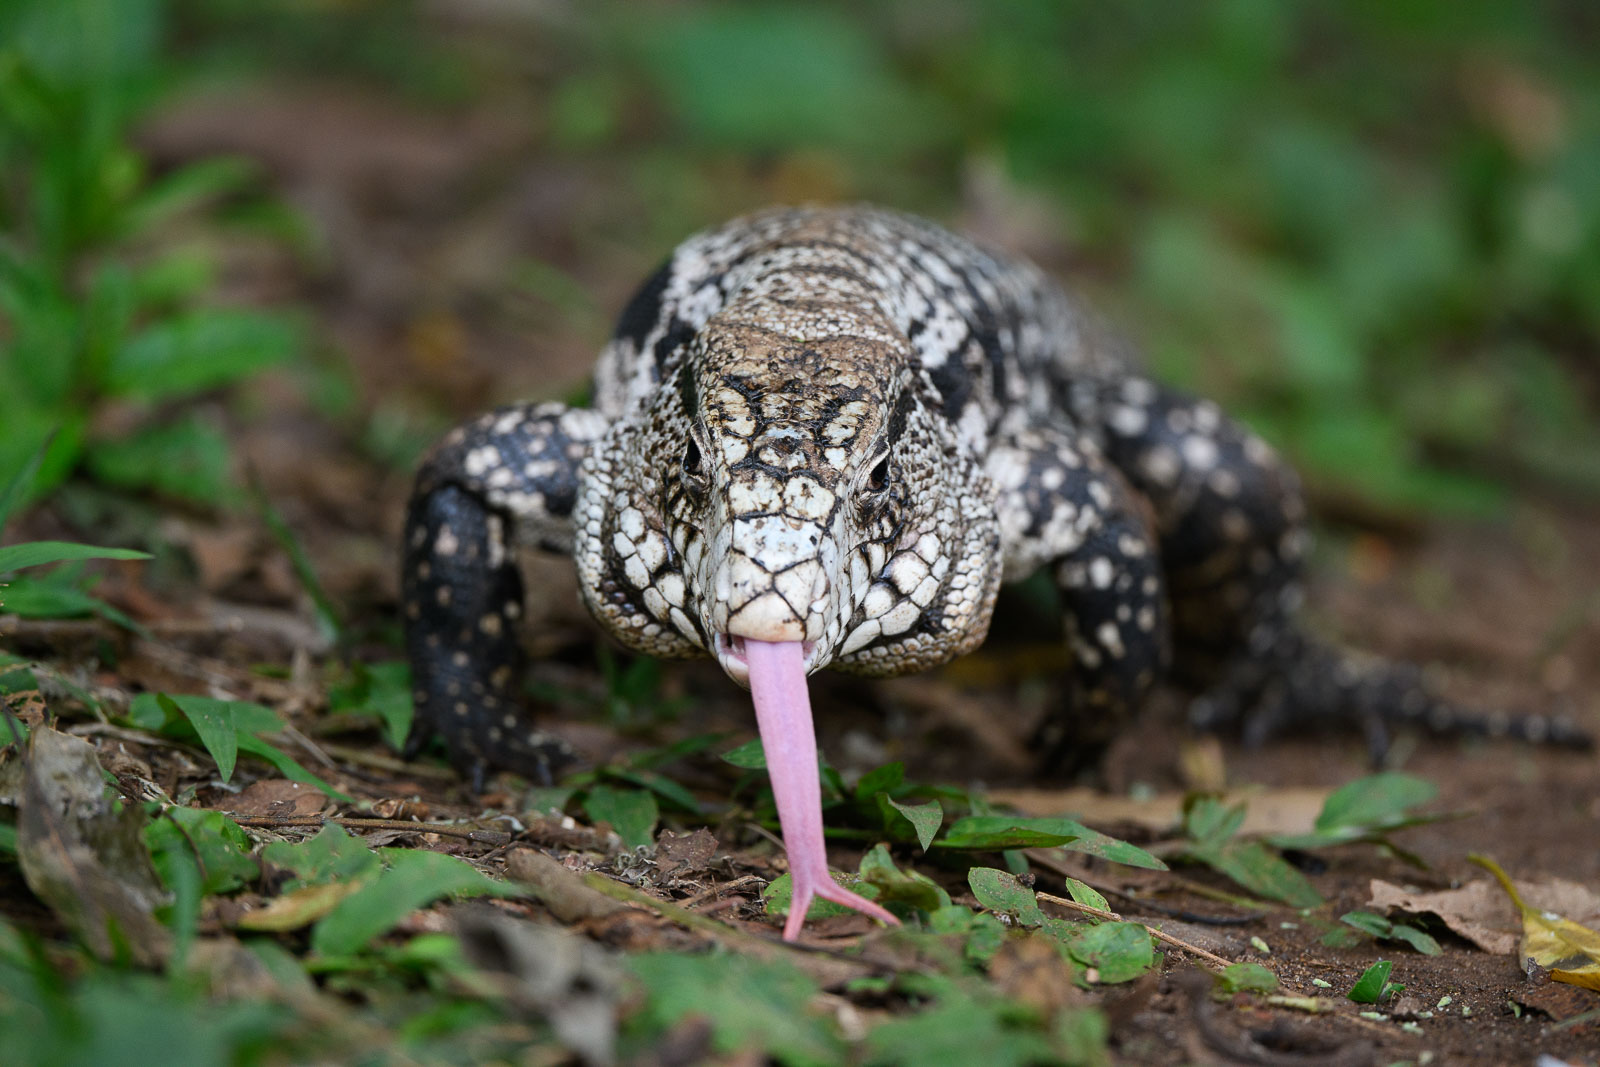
(1063, 507)
(1233, 535)
(507, 478)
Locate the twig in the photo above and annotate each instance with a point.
(310, 746)
(764, 832)
(706, 894)
(1195, 950)
(133, 736)
(487, 837)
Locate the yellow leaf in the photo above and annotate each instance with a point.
(300, 907)
(1570, 950)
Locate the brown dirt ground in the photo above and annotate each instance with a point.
(413, 292)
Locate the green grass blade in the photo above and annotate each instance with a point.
(38, 553)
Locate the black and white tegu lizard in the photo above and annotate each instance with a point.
(823, 437)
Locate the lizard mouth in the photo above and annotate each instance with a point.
(730, 653)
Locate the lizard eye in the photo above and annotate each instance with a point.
(694, 473)
(878, 477)
(875, 487)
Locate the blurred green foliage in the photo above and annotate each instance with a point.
(1370, 227)
(1373, 228)
(102, 301)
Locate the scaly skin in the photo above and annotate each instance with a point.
(836, 431)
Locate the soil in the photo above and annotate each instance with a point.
(412, 288)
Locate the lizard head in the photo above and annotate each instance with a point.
(790, 491)
(790, 472)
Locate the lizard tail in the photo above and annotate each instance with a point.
(1303, 684)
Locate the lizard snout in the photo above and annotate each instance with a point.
(771, 582)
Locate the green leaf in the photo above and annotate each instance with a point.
(207, 840)
(288, 766)
(183, 714)
(1366, 921)
(38, 553)
(200, 350)
(1000, 891)
(147, 712)
(18, 487)
(1209, 821)
(632, 813)
(213, 721)
(748, 756)
(780, 892)
(545, 799)
(184, 189)
(1118, 950)
(996, 832)
(1081, 1035)
(1384, 930)
(379, 689)
(55, 595)
(1365, 810)
(1417, 939)
(1261, 871)
(1086, 894)
(1247, 978)
(726, 75)
(333, 855)
(763, 1007)
(1373, 983)
(1340, 937)
(962, 1027)
(1014, 831)
(883, 779)
(984, 933)
(187, 459)
(660, 785)
(924, 819)
(1379, 801)
(909, 887)
(414, 878)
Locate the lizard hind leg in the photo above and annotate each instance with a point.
(1233, 538)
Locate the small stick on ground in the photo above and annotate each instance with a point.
(1194, 950)
(497, 838)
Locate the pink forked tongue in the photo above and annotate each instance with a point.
(783, 714)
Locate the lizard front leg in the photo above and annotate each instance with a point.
(1063, 507)
(507, 478)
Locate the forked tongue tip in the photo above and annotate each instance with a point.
(783, 716)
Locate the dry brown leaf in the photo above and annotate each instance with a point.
(559, 889)
(1267, 811)
(82, 853)
(680, 855)
(1480, 912)
(276, 798)
(1555, 999)
(299, 907)
(1477, 911)
(222, 555)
